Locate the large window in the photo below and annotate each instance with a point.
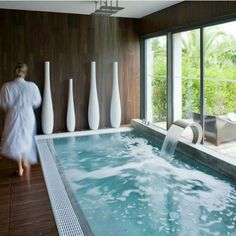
(220, 86)
(220, 69)
(202, 79)
(156, 73)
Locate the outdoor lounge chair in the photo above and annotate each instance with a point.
(218, 129)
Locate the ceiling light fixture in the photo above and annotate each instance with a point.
(106, 9)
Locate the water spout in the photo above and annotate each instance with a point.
(175, 132)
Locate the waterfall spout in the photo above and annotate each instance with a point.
(175, 132)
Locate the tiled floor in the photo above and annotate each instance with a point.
(24, 206)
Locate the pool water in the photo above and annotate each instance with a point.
(124, 188)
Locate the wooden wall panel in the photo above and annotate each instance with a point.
(70, 42)
(185, 14)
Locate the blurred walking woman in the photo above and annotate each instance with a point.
(17, 99)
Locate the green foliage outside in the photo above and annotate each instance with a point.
(159, 91)
(219, 73)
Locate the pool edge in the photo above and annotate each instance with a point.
(66, 219)
(197, 152)
(82, 133)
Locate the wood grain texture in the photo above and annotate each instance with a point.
(185, 14)
(24, 209)
(70, 42)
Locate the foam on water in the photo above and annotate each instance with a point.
(124, 187)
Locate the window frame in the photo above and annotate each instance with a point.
(143, 90)
(170, 91)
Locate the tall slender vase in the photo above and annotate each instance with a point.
(47, 115)
(93, 108)
(70, 118)
(115, 110)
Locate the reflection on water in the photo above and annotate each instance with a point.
(124, 187)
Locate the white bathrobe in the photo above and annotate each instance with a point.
(18, 98)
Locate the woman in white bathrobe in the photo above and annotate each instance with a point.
(18, 98)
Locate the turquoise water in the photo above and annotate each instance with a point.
(124, 188)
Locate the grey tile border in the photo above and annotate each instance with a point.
(66, 219)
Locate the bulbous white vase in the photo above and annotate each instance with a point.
(47, 116)
(115, 110)
(70, 118)
(93, 108)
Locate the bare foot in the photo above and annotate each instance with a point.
(20, 172)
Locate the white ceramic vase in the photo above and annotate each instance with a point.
(115, 110)
(47, 116)
(93, 108)
(70, 118)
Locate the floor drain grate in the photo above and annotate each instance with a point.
(66, 220)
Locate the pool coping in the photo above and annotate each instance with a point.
(66, 218)
(82, 133)
(197, 152)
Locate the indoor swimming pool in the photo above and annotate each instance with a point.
(123, 186)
